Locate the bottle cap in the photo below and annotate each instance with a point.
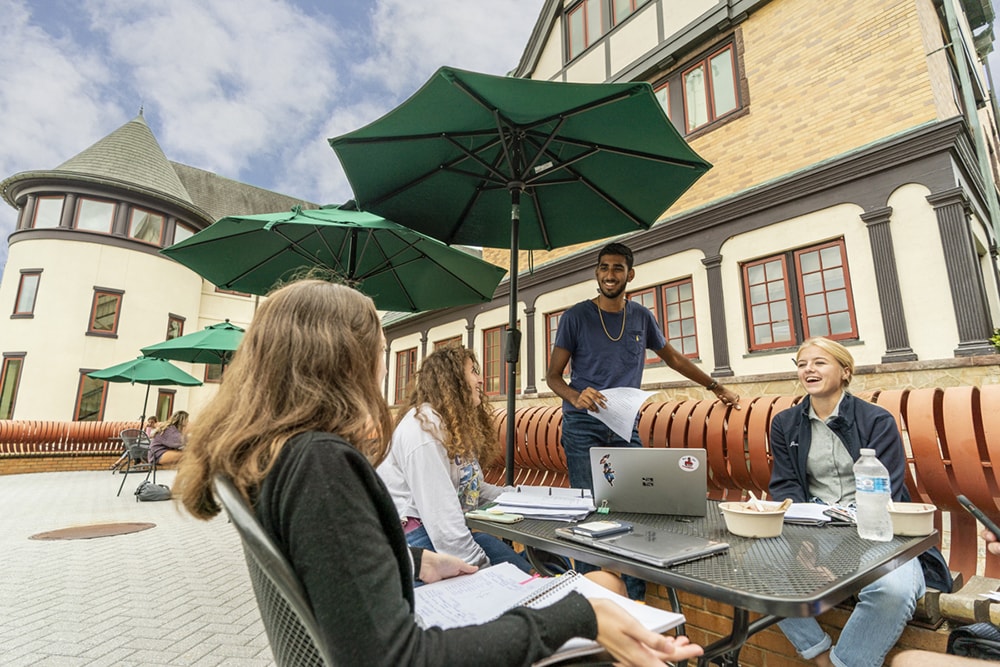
(867, 452)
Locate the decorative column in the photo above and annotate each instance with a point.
(27, 214)
(529, 360)
(968, 293)
(470, 335)
(68, 211)
(423, 345)
(897, 340)
(717, 311)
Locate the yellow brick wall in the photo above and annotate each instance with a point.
(823, 78)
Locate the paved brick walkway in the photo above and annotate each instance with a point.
(177, 594)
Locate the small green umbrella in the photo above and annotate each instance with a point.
(458, 159)
(402, 270)
(146, 370)
(214, 344)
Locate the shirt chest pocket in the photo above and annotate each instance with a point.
(635, 344)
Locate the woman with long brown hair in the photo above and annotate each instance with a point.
(433, 467)
(296, 425)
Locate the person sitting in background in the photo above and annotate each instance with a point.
(150, 426)
(815, 444)
(432, 470)
(168, 440)
(296, 426)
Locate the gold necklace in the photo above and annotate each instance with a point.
(621, 333)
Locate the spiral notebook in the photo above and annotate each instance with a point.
(485, 595)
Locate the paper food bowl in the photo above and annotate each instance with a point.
(751, 523)
(912, 519)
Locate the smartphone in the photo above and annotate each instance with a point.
(601, 528)
(978, 513)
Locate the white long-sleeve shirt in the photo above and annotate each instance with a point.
(425, 483)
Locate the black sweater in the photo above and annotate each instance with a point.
(333, 519)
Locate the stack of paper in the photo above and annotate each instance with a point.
(547, 502)
(480, 597)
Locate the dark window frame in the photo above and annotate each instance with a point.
(79, 397)
(447, 342)
(5, 370)
(118, 296)
(131, 222)
(488, 379)
(406, 368)
(171, 318)
(795, 298)
(34, 214)
(30, 312)
(551, 329)
(111, 221)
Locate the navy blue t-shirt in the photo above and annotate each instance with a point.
(596, 360)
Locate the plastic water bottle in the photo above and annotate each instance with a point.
(872, 496)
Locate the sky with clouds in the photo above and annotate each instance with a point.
(249, 89)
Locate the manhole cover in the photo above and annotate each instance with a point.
(94, 530)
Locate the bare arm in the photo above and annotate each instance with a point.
(588, 399)
(683, 365)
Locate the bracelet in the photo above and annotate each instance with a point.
(712, 386)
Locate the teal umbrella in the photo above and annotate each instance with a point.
(503, 162)
(402, 270)
(214, 344)
(146, 370)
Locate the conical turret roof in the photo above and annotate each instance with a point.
(131, 155)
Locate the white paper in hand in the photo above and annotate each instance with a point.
(623, 405)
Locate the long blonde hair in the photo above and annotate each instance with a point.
(179, 420)
(310, 361)
(468, 431)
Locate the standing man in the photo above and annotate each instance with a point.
(606, 338)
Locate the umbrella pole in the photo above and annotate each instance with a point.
(513, 335)
(145, 402)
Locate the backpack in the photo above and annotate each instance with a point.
(147, 491)
(979, 640)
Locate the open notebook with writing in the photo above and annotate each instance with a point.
(483, 596)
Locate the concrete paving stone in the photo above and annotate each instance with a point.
(67, 602)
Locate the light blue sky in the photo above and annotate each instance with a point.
(249, 89)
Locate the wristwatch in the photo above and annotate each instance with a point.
(712, 386)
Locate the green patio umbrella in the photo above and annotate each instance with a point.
(214, 344)
(146, 370)
(504, 162)
(402, 270)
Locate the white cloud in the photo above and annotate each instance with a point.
(250, 89)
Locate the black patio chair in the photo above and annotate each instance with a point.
(136, 457)
(288, 617)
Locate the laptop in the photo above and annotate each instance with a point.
(650, 545)
(650, 480)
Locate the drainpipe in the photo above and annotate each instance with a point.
(972, 118)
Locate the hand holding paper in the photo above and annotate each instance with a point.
(621, 408)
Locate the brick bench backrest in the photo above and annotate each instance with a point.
(951, 437)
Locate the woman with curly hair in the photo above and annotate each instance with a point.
(296, 425)
(433, 471)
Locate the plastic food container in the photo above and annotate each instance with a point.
(751, 523)
(912, 519)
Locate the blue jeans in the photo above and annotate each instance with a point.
(496, 549)
(580, 432)
(884, 606)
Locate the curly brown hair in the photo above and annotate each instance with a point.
(469, 431)
(311, 360)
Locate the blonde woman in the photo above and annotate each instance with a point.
(296, 425)
(815, 444)
(167, 441)
(433, 468)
